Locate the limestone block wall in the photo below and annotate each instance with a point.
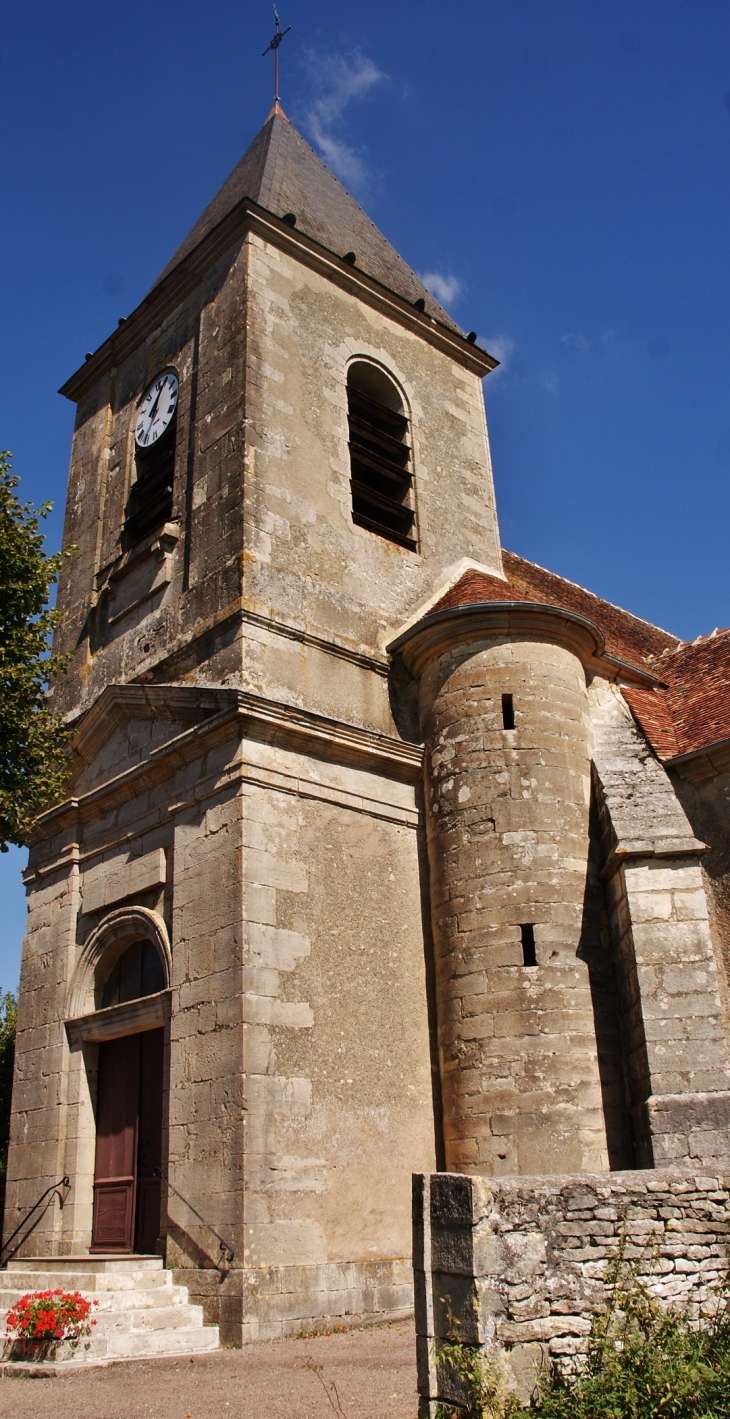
(261, 537)
(508, 824)
(338, 1092)
(304, 555)
(301, 1080)
(204, 340)
(40, 1126)
(522, 1263)
(676, 1045)
(704, 792)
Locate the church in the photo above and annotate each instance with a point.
(385, 851)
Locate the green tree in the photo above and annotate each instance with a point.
(8, 1012)
(33, 763)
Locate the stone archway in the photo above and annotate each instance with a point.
(123, 1046)
(110, 938)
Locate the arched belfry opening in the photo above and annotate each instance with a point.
(381, 461)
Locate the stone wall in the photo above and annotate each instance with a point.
(508, 812)
(521, 1262)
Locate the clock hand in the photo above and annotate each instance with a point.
(153, 410)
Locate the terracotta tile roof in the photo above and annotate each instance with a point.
(696, 703)
(626, 636)
(692, 707)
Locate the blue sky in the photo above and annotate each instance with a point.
(559, 173)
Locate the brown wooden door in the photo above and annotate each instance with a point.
(149, 1146)
(128, 1144)
(115, 1168)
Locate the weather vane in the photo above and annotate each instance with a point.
(276, 41)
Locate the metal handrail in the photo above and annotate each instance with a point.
(63, 1182)
(228, 1252)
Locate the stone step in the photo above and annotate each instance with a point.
(158, 1297)
(184, 1341)
(39, 1280)
(141, 1318)
(100, 1262)
(132, 1345)
(140, 1311)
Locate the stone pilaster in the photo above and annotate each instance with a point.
(676, 1044)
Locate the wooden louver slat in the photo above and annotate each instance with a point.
(381, 479)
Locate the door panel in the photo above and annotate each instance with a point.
(149, 1152)
(128, 1144)
(115, 1168)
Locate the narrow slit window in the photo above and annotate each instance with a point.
(529, 957)
(508, 712)
(381, 472)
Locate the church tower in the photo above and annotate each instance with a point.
(374, 859)
(278, 456)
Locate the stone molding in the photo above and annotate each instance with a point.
(121, 927)
(222, 713)
(518, 620)
(134, 1017)
(702, 763)
(487, 620)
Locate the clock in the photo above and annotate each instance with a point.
(157, 409)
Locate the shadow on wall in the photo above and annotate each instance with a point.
(595, 949)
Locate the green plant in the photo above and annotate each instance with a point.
(8, 1013)
(33, 763)
(479, 1379)
(644, 1361)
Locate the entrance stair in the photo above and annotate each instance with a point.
(140, 1312)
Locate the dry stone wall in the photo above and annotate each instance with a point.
(522, 1263)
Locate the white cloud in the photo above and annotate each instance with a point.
(580, 342)
(337, 81)
(445, 288)
(500, 346)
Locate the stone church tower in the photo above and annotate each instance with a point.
(370, 863)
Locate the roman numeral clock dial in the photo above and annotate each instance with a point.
(156, 410)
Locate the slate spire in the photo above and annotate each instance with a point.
(280, 172)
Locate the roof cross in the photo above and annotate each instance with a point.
(276, 41)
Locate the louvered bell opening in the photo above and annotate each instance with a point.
(380, 459)
(150, 500)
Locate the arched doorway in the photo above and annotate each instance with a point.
(129, 1119)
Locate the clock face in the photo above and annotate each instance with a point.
(156, 410)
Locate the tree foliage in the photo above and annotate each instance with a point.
(8, 1012)
(33, 762)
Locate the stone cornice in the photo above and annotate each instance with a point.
(641, 848)
(133, 1018)
(165, 666)
(706, 762)
(221, 713)
(247, 217)
(459, 625)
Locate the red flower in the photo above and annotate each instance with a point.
(49, 1315)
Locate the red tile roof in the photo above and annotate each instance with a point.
(696, 703)
(692, 707)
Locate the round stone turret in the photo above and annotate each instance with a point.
(507, 782)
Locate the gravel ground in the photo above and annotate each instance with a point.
(374, 1371)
